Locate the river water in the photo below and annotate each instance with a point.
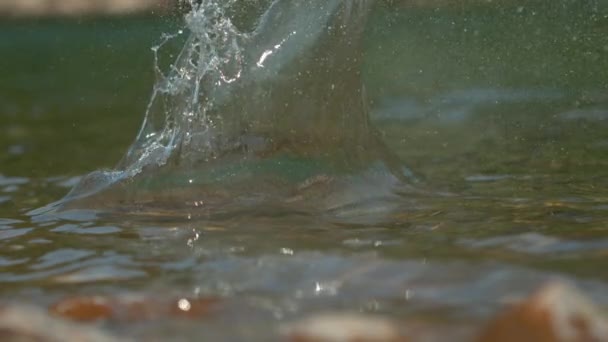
(500, 110)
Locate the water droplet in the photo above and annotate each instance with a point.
(184, 305)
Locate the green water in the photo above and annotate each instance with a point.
(501, 110)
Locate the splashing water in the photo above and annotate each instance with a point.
(261, 125)
(273, 112)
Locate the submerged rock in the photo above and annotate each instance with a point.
(78, 7)
(94, 308)
(343, 327)
(555, 313)
(28, 324)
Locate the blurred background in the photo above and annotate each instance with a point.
(76, 77)
(459, 87)
(24, 8)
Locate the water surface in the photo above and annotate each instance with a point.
(501, 110)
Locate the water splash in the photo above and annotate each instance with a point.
(269, 110)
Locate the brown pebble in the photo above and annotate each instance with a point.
(555, 313)
(343, 327)
(25, 323)
(83, 309)
(88, 309)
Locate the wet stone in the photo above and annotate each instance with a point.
(343, 327)
(555, 313)
(83, 308)
(23, 323)
(95, 308)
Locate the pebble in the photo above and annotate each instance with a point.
(343, 327)
(555, 313)
(125, 309)
(25, 323)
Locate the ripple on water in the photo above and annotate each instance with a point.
(8, 223)
(535, 243)
(6, 262)
(11, 185)
(320, 280)
(79, 229)
(64, 182)
(62, 256)
(6, 234)
(75, 266)
(100, 273)
(12, 181)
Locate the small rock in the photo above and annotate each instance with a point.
(87, 309)
(23, 323)
(556, 313)
(83, 309)
(343, 328)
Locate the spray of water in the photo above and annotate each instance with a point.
(254, 108)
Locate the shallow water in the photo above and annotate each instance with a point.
(502, 111)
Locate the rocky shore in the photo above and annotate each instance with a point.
(45, 8)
